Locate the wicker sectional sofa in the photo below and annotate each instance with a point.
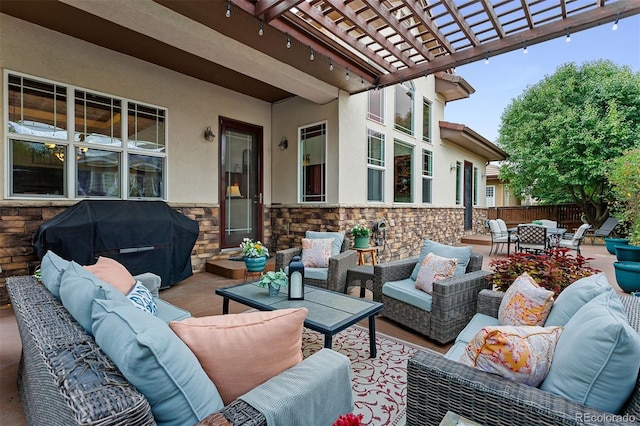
(437, 384)
(65, 378)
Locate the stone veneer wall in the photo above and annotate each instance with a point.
(20, 220)
(407, 227)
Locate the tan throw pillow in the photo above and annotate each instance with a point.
(525, 303)
(434, 268)
(241, 351)
(521, 354)
(316, 252)
(112, 272)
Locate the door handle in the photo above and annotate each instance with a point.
(259, 198)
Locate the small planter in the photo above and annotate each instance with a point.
(273, 291)
(361, 242)
(627, 253)
(611, 243)
(255, 264)
(628, 275)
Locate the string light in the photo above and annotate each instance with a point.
(347, 76)
(288, 41)
(362, 80)
(486, 59)
(525, 51)
(261, 30)
(228, 13)
(568, 39)
(311, 55)
(615, 25)
(330, 65)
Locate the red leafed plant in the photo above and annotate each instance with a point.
(349, 420)
(554, 270)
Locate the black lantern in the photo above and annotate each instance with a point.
(296, 279)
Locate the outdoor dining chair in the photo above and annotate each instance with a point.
(532, 238)
(573, 241)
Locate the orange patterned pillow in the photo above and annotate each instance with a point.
(113, 272)
(525, 303)
(521, 354)
(241, 351)
(316, 252)
(434, 268)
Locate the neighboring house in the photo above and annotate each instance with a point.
(81, 121)
(498, 194)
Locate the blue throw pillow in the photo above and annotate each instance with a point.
(52, 267)
(575, 297)
(463, 254)
(154, 359)
(597, 358)
(79, 288)
(142, 299)
(338, 239)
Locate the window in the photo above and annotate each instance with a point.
(427, 176)
(491, 195)
(458, 183)
(426, 120)
(375, 166)
(48, 160)
(375, 109)
(313, 141)
(404, 95)
(507, 196)
(402, 166)
(475, 186)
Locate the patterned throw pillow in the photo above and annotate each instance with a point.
(525, 303)
(141, 298)
(316, 252)
(521, 354)
(113, 272)
(434, 268)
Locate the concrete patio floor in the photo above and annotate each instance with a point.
(197, 294)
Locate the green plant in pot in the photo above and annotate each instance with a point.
(273, 280)
(360, 234)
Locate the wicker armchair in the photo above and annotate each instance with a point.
(337, 271)
(454, 299)
(436, 385)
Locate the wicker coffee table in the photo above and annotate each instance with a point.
(329, 312)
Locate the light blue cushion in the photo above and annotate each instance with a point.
(79, 288)
(455, 352)
(597, 357)
(52, 267)
(406, 291)
(576, 296)
(156, 362)
(338, 239)
(313, 273)
(471, 329)
(142, 299)
(168, 312)
(463, 254)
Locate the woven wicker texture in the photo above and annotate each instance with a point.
(338, 266)
(454, 300)
(437, 385)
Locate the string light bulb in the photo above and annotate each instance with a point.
(525, 51)
(568, 39)
(330, 65)
(228, 12)
(347, 75)
(486, 59)
(362, 80)
(261, 30)
(288, 41)
(615, 25)
(311, 55)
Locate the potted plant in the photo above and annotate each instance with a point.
(360, 234)
(255, 255)
(625, 183)
(553, 271)
(273, 280)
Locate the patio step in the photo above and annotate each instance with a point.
(235, 269)
(478, 239)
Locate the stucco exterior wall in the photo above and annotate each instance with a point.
(192, 105)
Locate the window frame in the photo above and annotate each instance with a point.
(492, 197)
(79, 144)
(475, 185)
(376, 168)
(427, 175)
(372, 116)
(410, 88)
(399, 143)
(427, 106)
(301, 165)
(459, 183)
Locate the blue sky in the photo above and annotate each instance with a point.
(506, 76)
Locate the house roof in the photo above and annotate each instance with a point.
(465, 137)
(376, 43)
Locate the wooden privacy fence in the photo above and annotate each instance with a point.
(567, 215)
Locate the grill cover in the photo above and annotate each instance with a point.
(144, 236)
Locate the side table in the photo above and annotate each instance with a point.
(367, 250)
(363, 274)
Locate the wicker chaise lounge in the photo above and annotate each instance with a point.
(436, 385)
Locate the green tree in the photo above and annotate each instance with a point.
(561, 131)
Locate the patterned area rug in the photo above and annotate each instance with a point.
(379, 384)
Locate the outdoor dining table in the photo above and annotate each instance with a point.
(553, 234)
